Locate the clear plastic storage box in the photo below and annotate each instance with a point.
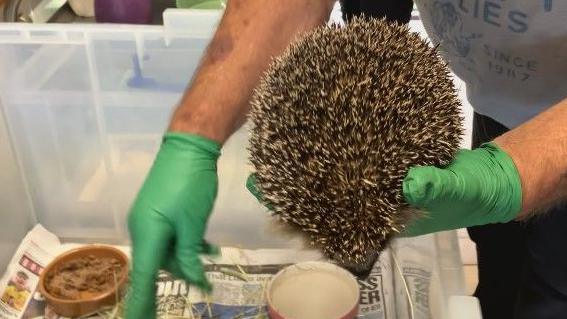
(83, 108)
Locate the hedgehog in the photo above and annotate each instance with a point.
(338, 120)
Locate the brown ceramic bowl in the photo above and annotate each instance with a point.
(313, 290)
(81, 307)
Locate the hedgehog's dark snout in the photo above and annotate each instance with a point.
(362, 269)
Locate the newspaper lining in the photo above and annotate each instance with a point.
(239, 278)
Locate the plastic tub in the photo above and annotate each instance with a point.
(83, 109)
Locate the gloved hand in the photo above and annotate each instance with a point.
(479, 187)
(169, 217)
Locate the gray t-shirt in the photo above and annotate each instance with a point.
(512, 54)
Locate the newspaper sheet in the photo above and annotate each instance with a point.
(19, 283)
(416, 283)
(239, 278)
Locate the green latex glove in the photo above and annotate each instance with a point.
(479, 187)
(251, 186)
(168, 220)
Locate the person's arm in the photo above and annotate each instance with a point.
(168, 220)
(249, 35)
(519, 174)
(539, 151)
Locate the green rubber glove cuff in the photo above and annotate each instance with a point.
(184, 142)
(510, 205)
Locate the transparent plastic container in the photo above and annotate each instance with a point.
(83, 111)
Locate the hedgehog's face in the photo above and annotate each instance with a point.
(361, 269)
(338, 120)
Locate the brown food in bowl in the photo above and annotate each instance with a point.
(81, 281)
(84, 277)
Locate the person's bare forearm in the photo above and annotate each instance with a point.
(249, 35)
(539, 150)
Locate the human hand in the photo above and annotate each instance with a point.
(479, 187)
(168, 219)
